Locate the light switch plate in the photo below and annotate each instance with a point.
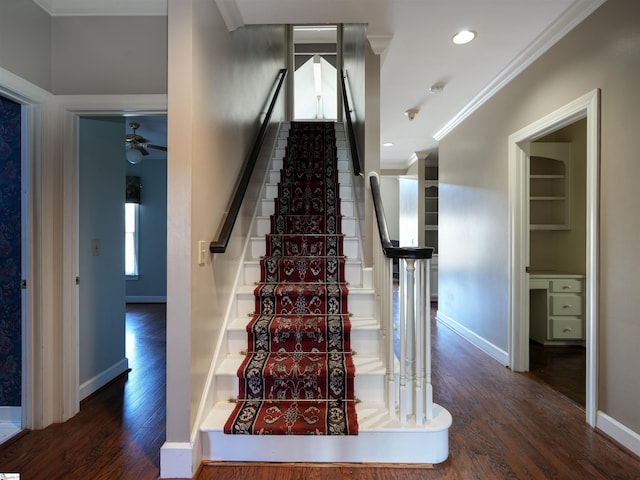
(202, 253)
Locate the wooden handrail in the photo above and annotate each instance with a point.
(220, 245)
(355, 158)
(389, 250)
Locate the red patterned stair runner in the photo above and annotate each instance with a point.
(297, 377)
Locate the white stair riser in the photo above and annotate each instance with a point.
(429, 447)
(350, 247)
(363, 341)
(361, 303)
(352, 272)
(262, 226)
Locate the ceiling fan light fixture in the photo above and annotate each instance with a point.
(463, 37)
(134, 156)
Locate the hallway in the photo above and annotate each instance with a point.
(506, 425)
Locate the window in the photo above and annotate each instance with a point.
(131, 240)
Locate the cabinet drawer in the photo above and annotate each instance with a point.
(566, 328)
(566, 304)
(565, 285)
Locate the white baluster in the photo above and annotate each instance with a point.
(427, 342)
(419, 344)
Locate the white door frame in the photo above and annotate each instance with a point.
(71, 109)
(587, 107)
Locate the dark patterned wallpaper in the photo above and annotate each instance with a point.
(10, 254)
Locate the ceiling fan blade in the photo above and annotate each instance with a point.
(142, 150)
(156, 147)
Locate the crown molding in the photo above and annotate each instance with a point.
(572, 16)
(230, 14)
(72, 8)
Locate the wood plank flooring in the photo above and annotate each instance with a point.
(119, 430)
(505, 425)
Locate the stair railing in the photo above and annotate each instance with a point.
(409, 389)
(353, 145)
(220, 245)
(408, 379)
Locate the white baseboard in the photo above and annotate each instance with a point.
(104, 377)
(177, 460)
(619, 432)
(146, 299)
(473, 338)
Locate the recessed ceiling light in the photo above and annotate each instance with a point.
(387, 144)
(464, 36)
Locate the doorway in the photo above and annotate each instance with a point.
(557, 255)
(587, 108)
(13, 258)
(315, 66)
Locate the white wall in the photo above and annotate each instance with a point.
(408, 212)
(390, 193)
(218, 83)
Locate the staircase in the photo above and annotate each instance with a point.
(382, 437)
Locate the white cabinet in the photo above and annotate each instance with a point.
(549, 182)
(556, 307)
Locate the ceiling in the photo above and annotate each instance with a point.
(413, 38)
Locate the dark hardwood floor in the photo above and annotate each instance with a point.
(562, 367)
(119, 430)
(505, 425)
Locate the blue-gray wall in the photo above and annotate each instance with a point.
(151, 285)
(102, 280)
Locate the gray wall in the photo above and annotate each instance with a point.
(109, 55)
(101, 219)
(26, 25)
(151, 284)
(83, 55)
(603, 52)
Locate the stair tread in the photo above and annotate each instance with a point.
(365, 364)
(353, 290)
(357, 323)
(371, 417)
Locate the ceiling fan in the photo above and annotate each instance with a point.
(137, 145)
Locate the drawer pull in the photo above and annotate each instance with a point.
(566, 330)
(566, 287)
(568, 305)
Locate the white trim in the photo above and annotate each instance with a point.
(104, 377)
(230, 14)
(71, 8)
(146, 299)
(10, 415)
(35, 343)
(619, 432)
(570, 18)
(176, 460)
(585, 106)
(487, 347)
(70, 109)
